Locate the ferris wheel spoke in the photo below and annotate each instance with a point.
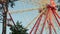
(57, 14)
(38, 23)
(39, 2)
(51, 24)
(56, 19)
(44, 22)
(32, 21)
(50, 29)
(24, 10)
(54, 28)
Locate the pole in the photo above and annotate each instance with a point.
(5, 9)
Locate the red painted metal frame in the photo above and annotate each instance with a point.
(37, 23)
(56, 19)
(49, 24)
(44, 23)
(11, 19)
(51, 8)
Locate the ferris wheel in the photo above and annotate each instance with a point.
(47, 11)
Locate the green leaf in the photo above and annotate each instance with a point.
(21, 29)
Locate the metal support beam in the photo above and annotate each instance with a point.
(5, 10)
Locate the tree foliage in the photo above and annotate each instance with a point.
(59, 5)
(8, 3)
(11, 2)
(59, 9)
(59, 1)
(21, 29)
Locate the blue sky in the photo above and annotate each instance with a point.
(25, 17)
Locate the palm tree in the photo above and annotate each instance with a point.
(21, 29)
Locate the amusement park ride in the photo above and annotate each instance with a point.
(47, 9)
